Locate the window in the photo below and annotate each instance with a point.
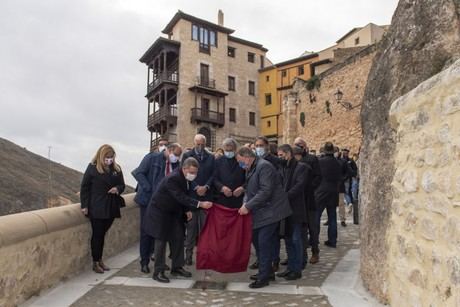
(204, 75)
(231, 83)
(269, 123)
(283, 73)
(251, 57)
(300, 70)
(231, 52)
(262, 62)
(213, 38)
(194, 32)
(357, 41)
(267, 78)
(252, 118)
(268, 99)
(252, 88)
(232, 114)
(205, 36)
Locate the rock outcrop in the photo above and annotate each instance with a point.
(423, 40)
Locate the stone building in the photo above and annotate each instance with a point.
(327, 107)
(202, 79)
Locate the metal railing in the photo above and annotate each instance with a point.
(165, 76)
(206, 82)
(162, 114)
(199, 114)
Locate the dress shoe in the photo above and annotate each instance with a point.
(255, 277)
(97, 268)
(293, 276)
(181, 272)
(327, 243)
(284, 262)
(103, 266)
(145, 269)
(283, 274)
(254, 266)
(343, 224)
(276, 266)
(259, 284)
(314, 258)
(160, 277)
(326, 224)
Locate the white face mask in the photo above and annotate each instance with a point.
(173, 158)
(190, 177)
(108, 161)
(161, 148)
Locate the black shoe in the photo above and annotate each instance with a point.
(255, 277)
(259, 284)
(276, 266)
(283, 274)
(327, 243)
(344, 224)
(254, 266)
(326, 224)
(293, 276)
(145, 269)
(160, 277)
(181, 272)
(284, 262)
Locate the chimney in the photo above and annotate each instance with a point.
(220, 18)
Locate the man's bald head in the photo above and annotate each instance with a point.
(300, 142)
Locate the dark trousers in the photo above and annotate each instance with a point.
(313, 234)
(99, 228)
(294, 247)
(194, 227)
(146, 242)
(176, 246)
(264, 242)
(328, 201)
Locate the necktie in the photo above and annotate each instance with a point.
(168, 168)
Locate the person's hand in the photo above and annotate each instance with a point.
(205, 204)
(189, 215)
(84, 211)
(201, 190)
(227, 192)
(238, 191)
(113, 190)
(243, 210)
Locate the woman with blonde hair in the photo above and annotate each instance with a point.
(100, 198)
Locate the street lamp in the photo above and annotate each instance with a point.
(338, 97)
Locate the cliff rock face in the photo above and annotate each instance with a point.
(424, 39)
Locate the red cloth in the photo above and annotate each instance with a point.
(225, 242)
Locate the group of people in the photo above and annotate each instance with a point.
(285, 189)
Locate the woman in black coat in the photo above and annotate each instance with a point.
(100, 199)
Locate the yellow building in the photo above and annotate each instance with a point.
(274, 83)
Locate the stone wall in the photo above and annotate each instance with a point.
(329, 123)
(424, 231)
(42, 247)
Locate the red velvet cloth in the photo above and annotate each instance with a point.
(225, 241)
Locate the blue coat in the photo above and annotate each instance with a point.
(205, 176)
(228, 173)
(265, 196)
(149, 175)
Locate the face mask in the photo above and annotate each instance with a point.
(173, 158)
(161, 148)
(260, 151)
(190, 177)
(199, 148)
(243, 165)
(108, 161)
(229, 154)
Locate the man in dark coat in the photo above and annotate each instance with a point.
(229, 177)
(327, 194)
(312, 183)
(201, 190)
(164, 219)
(266, 199)
(153, 168)
(293, 176)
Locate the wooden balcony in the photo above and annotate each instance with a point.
(167, 114)
(213, 117)
(170, 77)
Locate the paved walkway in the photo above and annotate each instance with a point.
(332, 282)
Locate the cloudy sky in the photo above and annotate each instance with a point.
(70, 76)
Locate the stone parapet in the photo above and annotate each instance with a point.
(42, 247)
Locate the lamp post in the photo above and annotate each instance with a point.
(338, 97)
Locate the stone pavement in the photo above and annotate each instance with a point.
(331, 282)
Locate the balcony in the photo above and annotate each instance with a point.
(167, 114)
(213, 117)
(206, 82)
(207, 86)
(171, 77)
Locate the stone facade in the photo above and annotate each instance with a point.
(40, 248)
(325, 119)
(424, 231)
